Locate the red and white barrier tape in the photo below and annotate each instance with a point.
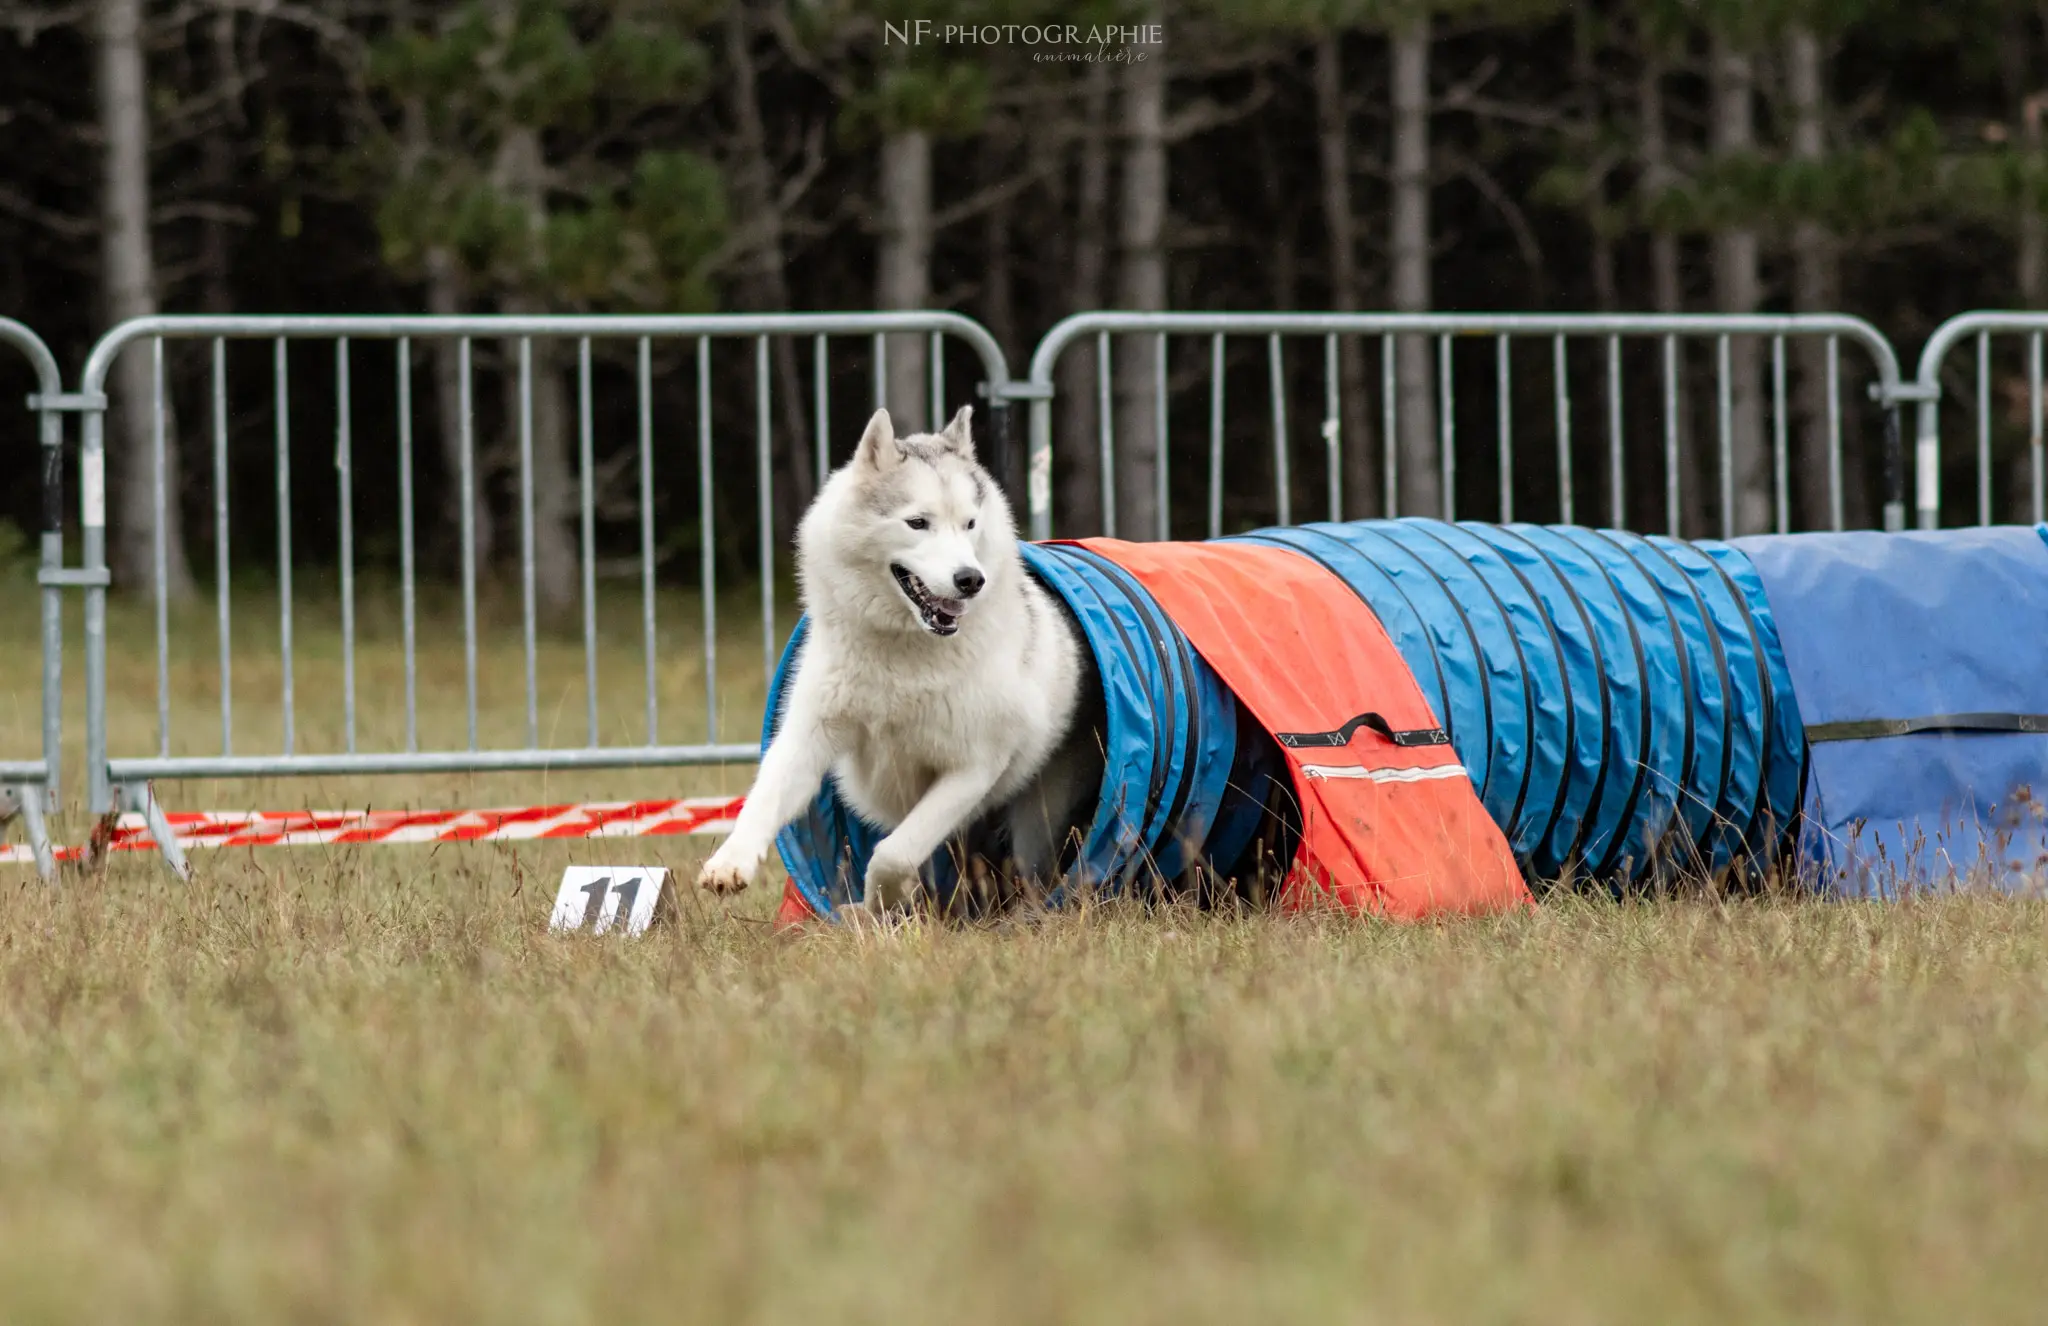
(319, 828)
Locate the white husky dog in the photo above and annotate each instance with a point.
(939, 684)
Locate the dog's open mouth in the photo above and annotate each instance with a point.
(940, 616)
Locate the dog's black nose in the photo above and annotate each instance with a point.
(969, 582)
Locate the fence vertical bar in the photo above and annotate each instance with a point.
(1333, 428)
(821, 386)
(2034, 439)
(50, 437)
(936, 362)
(1038, 468)
(1780, 450)
(1673, 517)
(1159, 432)
(1283, 486)
(1561, 397)
(881, 371)
(344, 476)
(280, 382)
(1105, 435)
(527, 605)
(1447, 426)
(1390, 451)
(765, 477)
(1725, 418)
(92, 504)
(468, 495)
(1503, 393)
(1617, 500)
(220, 544)
(408, 606)
(644, 386)
(1983, 428)
(1216, 436)
(707, 553)
(160, 541)
(586, 484)
(1834, 362)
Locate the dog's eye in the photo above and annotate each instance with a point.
(918, 522)
(970, 524)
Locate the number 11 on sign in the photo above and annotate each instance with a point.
(597, 900)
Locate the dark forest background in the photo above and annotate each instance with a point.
(1877, 157)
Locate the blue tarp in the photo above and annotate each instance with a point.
(1912, 626)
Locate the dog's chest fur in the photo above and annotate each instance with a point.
(903, 710)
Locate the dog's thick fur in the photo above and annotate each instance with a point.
(939, 685)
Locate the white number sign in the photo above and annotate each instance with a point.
(596, 899)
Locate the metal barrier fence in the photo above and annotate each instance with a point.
(130, 776)
(36, 782)
(1431, 379)
(1980, 327)
(1440, 398)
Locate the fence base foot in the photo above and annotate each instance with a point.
(30, 797)
(141, 798)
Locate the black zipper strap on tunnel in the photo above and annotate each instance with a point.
(1863, 729)
(1417, 736)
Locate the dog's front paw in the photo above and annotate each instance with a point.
(727, 874)
(890, 884)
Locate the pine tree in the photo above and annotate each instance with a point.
(525, 169)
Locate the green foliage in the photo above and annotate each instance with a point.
(600, 220)
(1914, 173)
(947, 99)
(17, 556)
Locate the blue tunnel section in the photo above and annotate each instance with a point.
(1621, 703)
(1921, 662)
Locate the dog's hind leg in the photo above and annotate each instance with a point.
(792, 770)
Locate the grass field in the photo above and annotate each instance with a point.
(367, 1086)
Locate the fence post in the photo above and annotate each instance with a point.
(50, 425)
(92, 504)
(37, 784)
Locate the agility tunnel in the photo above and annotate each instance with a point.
(1920, 662)
(1853, 710)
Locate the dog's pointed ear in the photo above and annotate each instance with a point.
(878, 449)
(958, 435)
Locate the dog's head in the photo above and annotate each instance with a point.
(917, 524)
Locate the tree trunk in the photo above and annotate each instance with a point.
(1816, 288)
(1667, 293)
(1738, 289)
(519, 172)
(2033, 228)
(1074, 441)
(903, 272)
(130, 292)
(1586, 86)
(1358, 470)
(999, 303)
(762, 280)
(445, 300)
(1141, 286)
(1666, 283)
(1415, 378)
